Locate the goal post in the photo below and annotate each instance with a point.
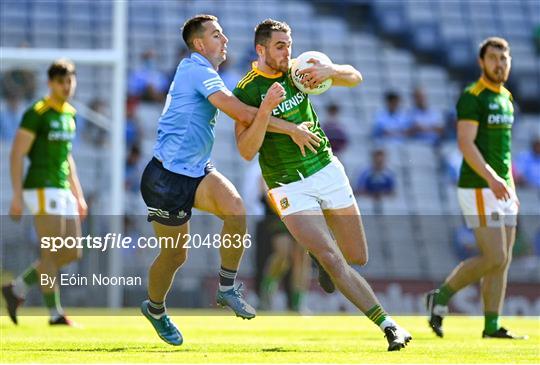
(115, 58)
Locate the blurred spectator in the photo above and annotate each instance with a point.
(229, 74)
(464, 243)
(450, 125)
(536, 244)
(256, 206)
(180, 55)
(133, 126)
(133, 169)
(333, 128)
(522, 247)
(280, 259)
(277, 257)
(425, 123)
(391, 123)
(90, 132)
(148, 83)
(527, 166)
(452, 159)
(524, 253)
(377, 180)
(10, 117)
(20, 83)
(248, 57)
(252, 189)
(537, 39)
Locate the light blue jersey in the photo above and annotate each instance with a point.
(186, 127)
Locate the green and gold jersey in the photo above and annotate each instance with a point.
(280, 158)
(54, 128)
(492, 109)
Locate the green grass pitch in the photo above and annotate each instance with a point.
(219, 337)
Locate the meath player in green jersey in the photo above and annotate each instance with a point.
(485, 189)
(51, 188)
(309, 189)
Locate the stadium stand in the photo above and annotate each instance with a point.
(413, 238)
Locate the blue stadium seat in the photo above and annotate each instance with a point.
(390, 17)
(425, 38)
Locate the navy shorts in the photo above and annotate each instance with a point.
(169, 196)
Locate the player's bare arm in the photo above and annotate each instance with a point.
(466, 134)
(341, 75)
(20, 148)
(245, 114)
(76, 188)
(250, 139)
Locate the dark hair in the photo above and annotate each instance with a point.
(391, 95)
(135, 149)
(496, 42)
(332, 108)
(61, 68)
(263, 30)
(194, 27)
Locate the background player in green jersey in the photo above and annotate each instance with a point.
(51, 188)
(485, 189)
(309, 189)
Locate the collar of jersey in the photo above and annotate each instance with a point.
(199, 58)
(490, 85)
(264, 74)
(61, 108)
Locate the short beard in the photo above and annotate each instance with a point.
(60, 97)
(495, 81)
(270, 62)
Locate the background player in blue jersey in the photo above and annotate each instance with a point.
(180, 175)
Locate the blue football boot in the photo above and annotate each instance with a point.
(233, 299)
(164, 327)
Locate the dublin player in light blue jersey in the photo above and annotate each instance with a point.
(180, 175)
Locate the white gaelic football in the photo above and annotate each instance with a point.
(300, 63)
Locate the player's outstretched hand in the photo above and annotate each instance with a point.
(500, 189)
(316, 74)
(275, 95)
(16, 208)
(303, 137)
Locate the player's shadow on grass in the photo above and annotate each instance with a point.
(104, 349)
(156, 349)
(283, 349)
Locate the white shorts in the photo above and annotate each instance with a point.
(482, 209)
(328, 188)
(53, 201)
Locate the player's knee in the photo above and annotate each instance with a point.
(501, 259)
(234, 207)
(282, 245)
(332, 263)
(176, 259)
(497, 260)
(234, 214)
(282, 254)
